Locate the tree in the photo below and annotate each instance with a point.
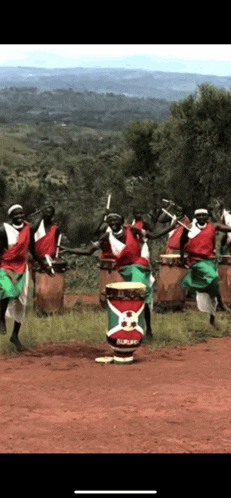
(194, 147)
(138, 136)
(140, 163)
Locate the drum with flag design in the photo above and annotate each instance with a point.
(125, 318)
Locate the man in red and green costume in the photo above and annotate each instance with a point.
(16, 239)
(128, 246)
(46, 233)
(202, 277)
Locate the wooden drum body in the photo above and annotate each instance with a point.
(224, 273)
(108, 275)
(49, 291)
(169, 274)
(125, 318)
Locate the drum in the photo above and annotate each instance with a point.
(125, 319)
(169, 274)
(108, 274)
(49, 291)
(59, 265)
(224, 273)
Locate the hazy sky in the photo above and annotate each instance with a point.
(192, 58)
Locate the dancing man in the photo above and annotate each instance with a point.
(173, 241)
(16, 239)
(46, 232)
(127, 244)
(202, 276)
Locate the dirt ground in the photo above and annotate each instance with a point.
(56, 399)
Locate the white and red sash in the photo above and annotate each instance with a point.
(202, 244)
(14, 258)
(45, 242)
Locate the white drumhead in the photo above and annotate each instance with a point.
(173, 256)
(126, 285)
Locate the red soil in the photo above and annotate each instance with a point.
(56, 399)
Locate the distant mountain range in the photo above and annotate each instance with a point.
(130, 82)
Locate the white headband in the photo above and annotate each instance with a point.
(201, 211)
(114, 214)
(12, 208)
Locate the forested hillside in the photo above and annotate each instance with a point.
(128, 81)
(95, 110)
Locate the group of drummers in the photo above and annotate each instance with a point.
(125, 249)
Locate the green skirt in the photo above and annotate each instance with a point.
(202, 276)
(8, 288)
(138, 273)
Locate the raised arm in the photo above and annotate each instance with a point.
(35, 224)
(156, 235)
(78, 250)
(222, 228)
(3, 241)
(183, 241)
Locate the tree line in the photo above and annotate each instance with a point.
(106, 111)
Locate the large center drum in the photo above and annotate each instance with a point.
(224, 273)
(169, 273)
(49, 291)
(125, 318)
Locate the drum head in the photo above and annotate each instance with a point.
(169, 256)
(126, 285)
(126, 290)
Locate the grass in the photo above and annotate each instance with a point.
(169, 328)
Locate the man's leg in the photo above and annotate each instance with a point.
(3, 307)
(14, 337)
(222, 306)
(212, 320)
(147, 316)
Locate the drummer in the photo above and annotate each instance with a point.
(199, 244)
(173, 241)
(120, 243)
(46, 232)
(16, 239)
(129, 248)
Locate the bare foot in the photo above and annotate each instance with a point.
(17, 343)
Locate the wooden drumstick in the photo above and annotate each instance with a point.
(48, 260)
(58, 244)
(108, 206)
(108, 201)
(180, 223)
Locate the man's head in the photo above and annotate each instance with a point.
(115, 221)
(16, 214)
(48, 211)
(201, 216)
(138, 213)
